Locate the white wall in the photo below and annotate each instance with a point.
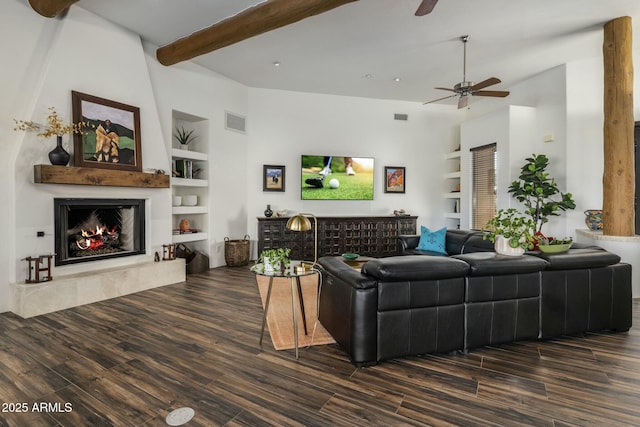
(284, 125)
(85, 53)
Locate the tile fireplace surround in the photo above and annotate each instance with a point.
(33, 299)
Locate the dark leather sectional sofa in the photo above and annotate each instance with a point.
(414, 304)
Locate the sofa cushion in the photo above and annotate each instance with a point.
(432, 241)
(415, 267)
(590, 257)
(490, 263)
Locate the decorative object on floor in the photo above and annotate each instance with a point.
(301, 222)
(36, 266)
(509, 230)
(55, 126)
(184, 137)
(350, 256)
(394, 179)
(274, 259)
(195, 261)
(168, 252)
(279, 314)
(593, 219)
(268, 212)
(237, 252)
(190, 200)
(273, 178)
(115, 143)
(180, 416)
(536, 190)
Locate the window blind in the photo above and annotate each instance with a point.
(483, 170)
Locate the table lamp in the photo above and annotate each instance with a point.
(301, 222)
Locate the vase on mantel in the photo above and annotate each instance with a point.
(59, 156)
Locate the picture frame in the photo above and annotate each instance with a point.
(273, 178)
(394, 179)
(111, 135)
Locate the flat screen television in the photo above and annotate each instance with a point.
(336, 178)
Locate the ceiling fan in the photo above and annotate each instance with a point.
(465, 88)
(426, 7)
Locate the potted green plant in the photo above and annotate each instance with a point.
(184, 137)
(510, 231)
(539, 193)
(275, 259)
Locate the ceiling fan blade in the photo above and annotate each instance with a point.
(445, 88)
(489, 82)
(426, 7)
(496, 93)
(463, 101)
(439, 99)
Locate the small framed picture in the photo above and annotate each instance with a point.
(272, 178)
(394, 179)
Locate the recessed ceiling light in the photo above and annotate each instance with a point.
(368, 76)
(397, 79)
(276, 63)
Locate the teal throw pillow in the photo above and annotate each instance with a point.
(433, 241)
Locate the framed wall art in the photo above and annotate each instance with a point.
(394, 177)
(111, 135)
(272, 178)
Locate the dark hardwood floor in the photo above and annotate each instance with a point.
(129, 361)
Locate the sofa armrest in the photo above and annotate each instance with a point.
(348, 309)
(407, 242)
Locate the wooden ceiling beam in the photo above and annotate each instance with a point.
(50, 8)
(251, 22)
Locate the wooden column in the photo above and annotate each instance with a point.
(619, 175)
(50, 8)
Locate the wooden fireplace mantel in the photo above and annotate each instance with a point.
(48, 174)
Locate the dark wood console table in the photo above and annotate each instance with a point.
(375, 236)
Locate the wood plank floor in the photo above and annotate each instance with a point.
(129, 361)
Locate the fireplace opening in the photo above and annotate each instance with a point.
(95, 229)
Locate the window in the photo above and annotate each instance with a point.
(483, 187)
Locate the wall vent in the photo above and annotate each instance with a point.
(235, 122)
(398, 116)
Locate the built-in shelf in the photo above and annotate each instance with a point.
(452, 175)
(183, 210)
(452, 182)
(49, 174)
(189, 237)
(191, 178)
(186, 182)
(178, 153)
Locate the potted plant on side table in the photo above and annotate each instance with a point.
(510, 231)
(275, 259)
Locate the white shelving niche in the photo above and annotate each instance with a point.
(190, 169)
(453, 188)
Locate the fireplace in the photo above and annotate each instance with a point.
(96, 229)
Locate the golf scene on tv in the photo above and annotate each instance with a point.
(337, 178)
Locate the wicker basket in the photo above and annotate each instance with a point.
(236, 252)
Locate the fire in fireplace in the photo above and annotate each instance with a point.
(94, 229)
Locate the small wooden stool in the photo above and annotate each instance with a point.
(36, 265)
(169, 252)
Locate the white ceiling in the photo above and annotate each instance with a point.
(333, 52)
